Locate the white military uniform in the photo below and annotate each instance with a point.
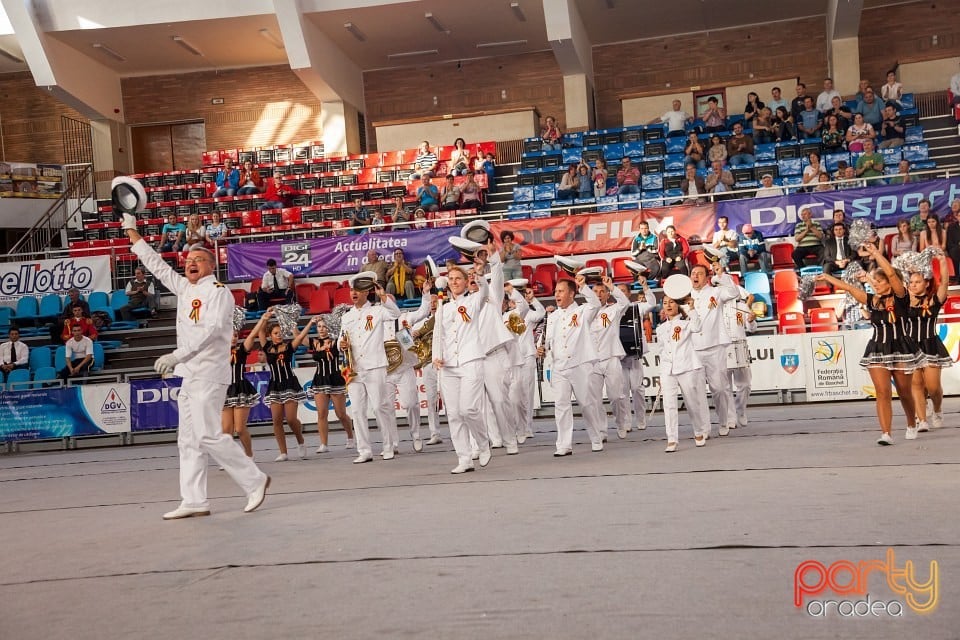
(681, 371)
(428, 374)
(739, 321)
(711, 344)
(525, 382)
(204, 332)
(403, 379)
(363, 328)
(457, 344)
(605, 330)
(516, 393)
(574, 353)
(633, 390)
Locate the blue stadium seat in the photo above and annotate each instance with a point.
(99, 359)
(42, 375)
(633, 149)
(911, 152)
(765, 152)
(651, 182)
(18, 379)
(790, 167)
(676, 144)
(40, 357)
(652, 199)
(571, 155)
(913, 135)
(830, 160)
(756, 282)
(613, 150)
(674, 161)
(6, 316)
(98, 300)
(50, 307)
(60, 358)
(891, 155)
(907, 101)
(541, 211)
(545, 192)
(27, 309)
(523, 194)
(607, 203)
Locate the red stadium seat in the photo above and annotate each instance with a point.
(823, 319)
(304, 291)
(782, 254)
(542, 283)
(620, 271)
(546, 272)
(319, 301)
(951, 309)
(239, 297)
(785, 281)
(342, 296)
(792, 322)
(788, 302)
(698, 257)
(599, 262)
(526, 271)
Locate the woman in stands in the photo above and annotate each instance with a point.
(585, 186)
(811, 173)
(764, 131)
(752, 110)
(783, 125)
(859, 131)
(891, 351)
(459, 158)
(250, 181)
(833, 136)
(195, 233)
(600, 174)
(925, 304)
(284, 393)
(673, 253)
(328, 385)
(510, 256)
(216, 230)
(693, 152)
(569, 184)
(717, 150)
(892, 92)
(902, 241)
(450, 195)
(470, 192)
(241, 394)
(172, 235)
(934, 235)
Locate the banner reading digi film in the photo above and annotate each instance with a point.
(40, 277)
(340, 254)
(86, 410)
(883, 206)
(601, 232)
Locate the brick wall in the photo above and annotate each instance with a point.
(31, 120)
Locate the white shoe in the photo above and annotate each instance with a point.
(922, 427)
(700, 442)
(475, 454)
(622, 432)
(596, 446)
(417, 445)
(281, 458)
(912, 432)
(497, 445)
(388, 454)
(724, 430)
(706, 436)
(362, 459)
(936, 420)
(462, 468)
(185, 512)
(885, 439)
(642, 426)
(256, 498)
(322, 448)
(559, 453)
(529, 434)
(350, 444)
(484, 457)
(512, 449)
(671, 447)
(521, 438)
(435, 439)
(302, 450)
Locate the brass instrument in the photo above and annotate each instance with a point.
(423, 343)
(516, 324)
(346, 366)
(394, 355)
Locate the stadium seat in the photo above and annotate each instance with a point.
(544, 276)
(698, 257)
(342, 296)
(44, 375)
(99, 359)
(51, 306)
(786, 280)
(18, 379)
(823, 319)
(319, 301)
(6, 315)
(620, 271)
(756, 282)
(40, 357)
(787, 302)
(304, 291)
(526, 271)
(27, 309)
(98, 300)
(239, 297)
(599, 262)
(792, 322)
(60, 358)
(782, 254)
(951, 309)
(255, 285)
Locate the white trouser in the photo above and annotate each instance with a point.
(741, 381)
(404, 380)
(496, 382)
(462, 391)
(715, 371)
(582, 382)
(369, 390)
(200, 404)
(691, 385)
(524, 388)
(432, 391)
(633, 389)
(610, 372)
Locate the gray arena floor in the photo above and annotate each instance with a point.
(627, 543)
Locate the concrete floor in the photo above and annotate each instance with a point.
(627, 543)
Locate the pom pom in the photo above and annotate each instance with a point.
(333, 320)
(926, 260)
(807, 285)
(287, 316)
(912, 262)
(239, 318)
(851, 275)
(859, 233)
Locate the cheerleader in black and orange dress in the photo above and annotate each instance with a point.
(328, 385)
(891, 351)
(284, 393)
(925, 304)
(241, 394)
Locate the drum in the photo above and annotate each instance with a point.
(631, 328)
(738, 355)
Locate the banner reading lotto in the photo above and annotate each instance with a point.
(38, 278)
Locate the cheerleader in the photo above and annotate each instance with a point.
(284, 393)
(891, 351)
(681, 370)
(925, 304)
(241, 394)
(328, 385)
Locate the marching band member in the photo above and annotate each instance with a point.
(574, 353)
(605, 330)
(633, 390)
(458, 353)
(361, 331)
(515, 309)
(711, 340)
(429, 375)
(739, 321)
(925, 304)
(681, 370)
(526, 380)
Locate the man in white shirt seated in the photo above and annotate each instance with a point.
(725, 239)
(275, 284)
(825, 99)
(140, 294)
(13, 354)
(79, 355)
(767, 189)
(675, 120)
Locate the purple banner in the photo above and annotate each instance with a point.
(337, 255)
(153, 403)
(883, 206)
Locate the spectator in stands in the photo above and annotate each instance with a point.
(858, 132)
(903, 175)
(377, 222)
(428, 196)
(673, 253)
(903, 240)
(836, 251)
(426, 162)
(251, 183)
(862, 89)
(825, 99)
(378, 265)
(714, 118)
(402, 218)
(400, 277)
(450, 195)
(471, 193)
(833, 136)
(569, 184)
(871, 109)
(776, 100)
(645, 250)
(784, 126)
(693, 152)
(675, 119)
(227, 180)
(808, 236)
(752, 108)
(839, 217)
(216, 230)
(628, 177)
(719, 180)
(13, 354)
(892, 91)
(140, 295)
(78, 354)
(172, 235)
(278, 195)
(551, 138)
(934, 235)
(459, 158)
(767, 188)
(839, 109)
(725, 238)
(600, 175)
(764, 131)
(952, 221)
(811, 173)
(799, 103)
(359, 217)
(489, 167)
(584, 181)
(892, 128)
(870, 164)
(717, 150)
(74, 299)
(740, 147)
(420, 219)
(918, 222)
(849, 180)
(195, 232)
(275, 284)
(955, 88)
(841, 170)
(693, 187)
(809, 121)
(753, 247)
(823, 183)
(510, 256)
(77, 319)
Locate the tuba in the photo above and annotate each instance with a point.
(394, 355)
(423, 343)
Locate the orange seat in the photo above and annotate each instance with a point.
(823, 319)
(239, 297)
(788, 302)
(319, 301)
(304, 291)
(255, 285)
(792, 322)
(620, 271)
(786, 280)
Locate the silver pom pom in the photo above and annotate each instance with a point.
(287, 316)
(859, 233)
(927, 257)
(239, 318)
(912, 262)
(333, 319)
(807, 285)
(851, 275)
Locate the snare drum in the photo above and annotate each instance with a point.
(738, 355)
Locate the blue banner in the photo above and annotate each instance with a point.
(883, 206)
(154, 402)
(40, 414)
(339, 254)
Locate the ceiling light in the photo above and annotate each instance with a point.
(410, 54)
(186, 45)
(507, 43)
(436, 23)
(10, 56)
(110, 52)
(352, 28)
(272, 39)
(517, 11)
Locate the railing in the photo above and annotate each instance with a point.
(932, 104)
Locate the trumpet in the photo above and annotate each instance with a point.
(346, 361)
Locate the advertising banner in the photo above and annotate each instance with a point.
(40, 277)
(86, 410)
(883, 205)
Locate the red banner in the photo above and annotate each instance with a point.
(603, 232)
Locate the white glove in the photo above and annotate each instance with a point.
(685, 308)
(165, 364)
(129, 222)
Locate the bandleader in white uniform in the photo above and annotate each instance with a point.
(403, 379)
(633, 390)
(739, 321)
(431, 386)
(605, 330)
(527, 376)
(202, 360)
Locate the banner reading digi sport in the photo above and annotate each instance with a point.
(883, 206)
(87, 410)
(40, 277)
